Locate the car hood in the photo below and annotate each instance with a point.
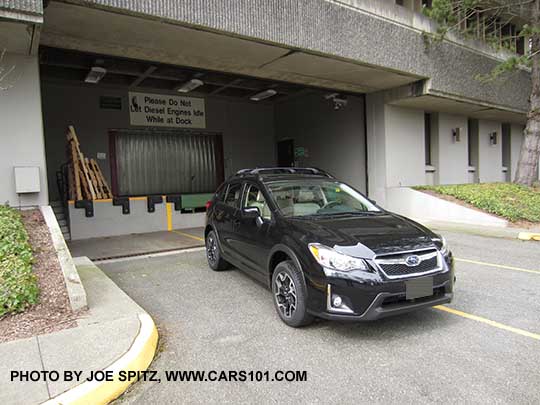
(365, 236)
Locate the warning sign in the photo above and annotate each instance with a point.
(161, 110)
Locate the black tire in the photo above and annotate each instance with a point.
(286, 272)
(213, 254)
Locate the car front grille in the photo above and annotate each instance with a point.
(395, 265)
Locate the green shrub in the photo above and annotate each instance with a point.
(18, 284)
(510, 201)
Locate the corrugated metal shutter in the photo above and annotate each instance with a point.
(165, 162)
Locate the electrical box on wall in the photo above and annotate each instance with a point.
(27, 179)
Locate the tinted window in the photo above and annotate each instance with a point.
(255, 198)
(220, 193)
(233, 195)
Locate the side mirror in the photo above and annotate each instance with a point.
(253, 213)
(372, 201)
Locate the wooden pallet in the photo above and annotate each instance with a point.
(86, 180)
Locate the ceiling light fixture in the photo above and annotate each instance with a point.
(190, 85)
(263, 95)
(95, 75)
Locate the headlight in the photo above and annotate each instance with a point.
(442, 245)
(328, 257)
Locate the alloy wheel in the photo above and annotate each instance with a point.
(211, 249)
(285, 294)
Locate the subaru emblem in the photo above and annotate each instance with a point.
(412, 260)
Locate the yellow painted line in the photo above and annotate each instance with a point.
(500, 266)
(103, 200)
(188, 235)
(137, 358)
(169, 216)
(488, 322)
(137, 198)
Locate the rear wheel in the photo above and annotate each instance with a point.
(213, 254)
(290, 295)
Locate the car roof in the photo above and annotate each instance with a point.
(280, 173)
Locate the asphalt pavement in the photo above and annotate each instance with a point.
(486, 350)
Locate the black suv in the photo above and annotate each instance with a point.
(323, 248)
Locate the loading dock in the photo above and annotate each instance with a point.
(164, 149)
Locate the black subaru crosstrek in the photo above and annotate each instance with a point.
(323, 248)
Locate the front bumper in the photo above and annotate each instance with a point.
(378, 309)
(376, 297)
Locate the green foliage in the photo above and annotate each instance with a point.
(509, 65)
(18, 284)
(511, 201)
(459, 16)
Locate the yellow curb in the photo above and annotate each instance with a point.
(137, 358)
(529, 236)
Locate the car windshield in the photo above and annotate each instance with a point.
(299, 198)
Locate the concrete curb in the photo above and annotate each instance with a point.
(529, 236)
(75, 289)
(137, 358)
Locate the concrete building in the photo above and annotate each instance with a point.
(355, 89)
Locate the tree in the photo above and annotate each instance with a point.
(511, 24)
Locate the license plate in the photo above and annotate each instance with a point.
(418, 288)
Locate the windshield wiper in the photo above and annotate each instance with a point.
(349, 213)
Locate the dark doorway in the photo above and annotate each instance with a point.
(285, 153)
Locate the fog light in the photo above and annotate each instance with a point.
(337, 301)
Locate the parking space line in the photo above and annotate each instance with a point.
(488, 322)
(188, 235)
(500, 266)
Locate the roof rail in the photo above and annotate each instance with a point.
(284, 170)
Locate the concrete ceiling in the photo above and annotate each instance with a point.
(92, 30)
(313, 66)
(438, 104)
(73, 66)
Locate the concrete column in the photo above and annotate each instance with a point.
(452, 158)
(21, 134)
(376, 146)
(489, 155)
(405, 154)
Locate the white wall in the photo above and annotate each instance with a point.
(334, 140)
(424, 207)
(21, 135)
(452, 157)
(405, 158)
(489, 156)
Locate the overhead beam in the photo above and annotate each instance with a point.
(226, 86)
(146, 74)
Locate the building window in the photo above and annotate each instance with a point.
(427, 138)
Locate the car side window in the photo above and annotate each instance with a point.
(255, 198)
(220, 193)
(234, 193)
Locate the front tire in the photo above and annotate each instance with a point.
(290, 295)
(213, 254)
